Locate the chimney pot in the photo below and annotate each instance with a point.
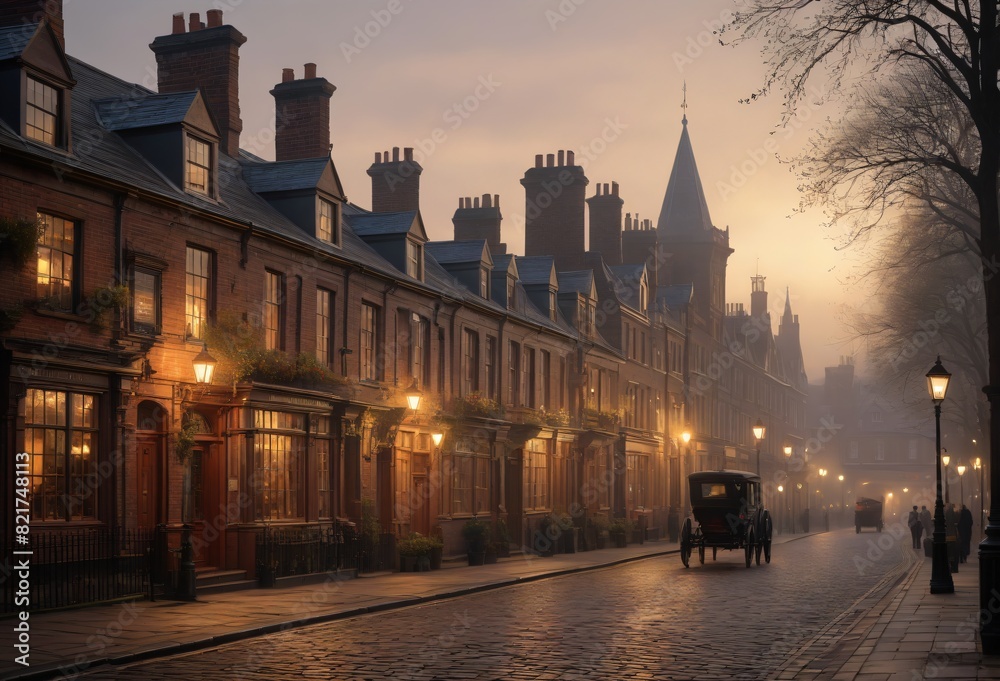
(194, 22)
(475, 202)
(468, 202)
(407, 153)
(614, 188)
(486, 201)
(395, 154)
(178, 23)
(214, 17)
(605, 188)
(310, 70)
(385, 156)
(561, 158)
(461, 202)
(287, 75)
(550, 160)
(570, 156)
(378, 157)
(496, 200)
(538, 160)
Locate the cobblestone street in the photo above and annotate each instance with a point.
(648, 619)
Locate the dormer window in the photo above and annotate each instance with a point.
(198, 166)
(510, 293)
(328, 222)
(484, 283)
(42, 121)
(414, 260)
(552, 305)
(643, 294)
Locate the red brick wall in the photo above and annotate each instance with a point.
(554, 210)
(395, 182)
(606, 223)
(302, 115)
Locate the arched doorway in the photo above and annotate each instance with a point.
(152, 422)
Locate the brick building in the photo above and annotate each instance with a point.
(560, 382)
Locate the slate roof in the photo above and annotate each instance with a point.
(675, 295)
(580, 281)
(684, 210)
(13, 40)
(127, 113)
(375, 224)
(285, 175)
(470, 251)
(536, 269)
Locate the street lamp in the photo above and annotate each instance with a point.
(941, 582)
(961, 485)
(413, 395)
(788, 458)
(945, 460)
(436, 438)
(758, 433)
(978, 465)
(204, 366)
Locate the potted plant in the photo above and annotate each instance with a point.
(437, 548)
(620, 530)
(567, 540)
(503, 539)
(492, 553)
(599, 527)
(476, 533)
(415, 553)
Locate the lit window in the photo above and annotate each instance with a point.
(273, 300)
(198, 165)
(145, 289)
(369, 337)
(279, 458)
(56, 253)
(324, 325)
(42, 112)
(197, 289)
(328, 225)
(61, 440)
(414, 260)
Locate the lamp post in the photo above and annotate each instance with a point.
(945, 460)
(788, 457)
(826, 513)
(941, 582)
(758, 434)
(961, 485)
(840, 509)
(413, 395)
(978, 465)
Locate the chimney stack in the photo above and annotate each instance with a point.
(205, 58)
(395, 182)
(554, 210)
(23, 12)
(477, 219)
(606, 223)
(302, 115)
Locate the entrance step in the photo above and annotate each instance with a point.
(214, 580)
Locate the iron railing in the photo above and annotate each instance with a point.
(282, 552)
(76, 567)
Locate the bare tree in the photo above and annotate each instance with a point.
(955, 44)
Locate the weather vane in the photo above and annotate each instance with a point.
(684, 103)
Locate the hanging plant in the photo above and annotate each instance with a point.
(10, 317)
(105, 298)
(19, 239)
(185, 442)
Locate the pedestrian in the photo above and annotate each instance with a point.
(965, 532)
(916, 529)
(927, 522)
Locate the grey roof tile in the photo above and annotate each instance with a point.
(285, 175)
(129, 112)
(373, 224)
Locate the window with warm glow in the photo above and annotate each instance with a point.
(197, 290)
(279, 447)
(56, 256)
(273, 310)
(536, 474)
(145, 292)
(369, 338)
(324, 325)
(328, 223)
(198, 166)
(321, 439)
(414, 260)
(41, 120)
(61, 440)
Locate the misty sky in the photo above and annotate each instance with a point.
(497, 82)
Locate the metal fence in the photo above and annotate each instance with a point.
(76, 567)
(282, 552)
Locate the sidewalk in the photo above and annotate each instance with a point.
(905, 635)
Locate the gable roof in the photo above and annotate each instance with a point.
(280, 176)
(37, 45)
(505, 263)
(579, 281)
(675, 295)
(684, 210)
(129, 113)
(537, 269)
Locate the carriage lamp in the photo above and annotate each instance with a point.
(413, 395)
(941, 581)
(436, 438)
(961, 484)
(204, 366)
(686, 436)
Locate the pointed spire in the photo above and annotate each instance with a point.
(786, 316)
(684, 104)
(684, 210)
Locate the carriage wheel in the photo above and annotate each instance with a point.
(686, 543)
(701, 554)
(748, 547)
(768, 530)
(715, 550)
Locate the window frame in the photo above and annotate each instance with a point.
(334, 236)
(324, 325)
(209, 299)
(273, 320)
(470, 361)
(74, 256)
(58, 115)
(513, 373)
(137, 327)
(368, 365)
(209, 167)
(414, 259)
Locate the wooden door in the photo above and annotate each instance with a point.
(420, 506)
(207, 511)
(150, 481)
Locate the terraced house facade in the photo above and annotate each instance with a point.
(560, 381)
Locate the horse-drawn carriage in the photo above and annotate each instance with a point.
(729, 509)
(867, 513)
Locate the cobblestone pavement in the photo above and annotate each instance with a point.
(652, 619)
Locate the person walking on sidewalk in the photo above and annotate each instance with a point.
(927, 521)
(965, 532)
(916, 529)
